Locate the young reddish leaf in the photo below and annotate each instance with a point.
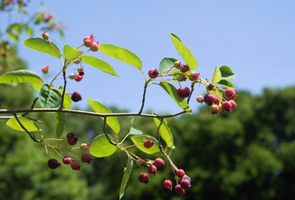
(101, 147)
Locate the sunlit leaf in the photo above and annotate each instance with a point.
(165, 131)
(67, 99)
(166, 64)
(60, 122)
(28, 124)
(71, 53)
(101, 147)
(20, 76)
(226, 83)
(138, 140)
(121, 54)
(226, 73)
(133, 130)
(126, 177)
(216, 76)
(49, 98)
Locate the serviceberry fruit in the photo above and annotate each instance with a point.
(153, 73)
(71, 76)
(184, 68)
(159, 162)
(45, 69)
(84, 146)
(185, 184)
(80, 69)
(76, 96)
(152, 169)
(226, 106)
(209, 99)
(210, 86)
(230, 93)
(200, 99)
(186, 177)
(181, 78)
(70, 135)
(177, 64)
(216, 100)
(88, 40)
(214, 109)
(75, 165)
(77, 61)
(194, 76)
(148, 144)
(78, 77)
(143, 178)
(183, 92)
(179, 190)
(168, 184)
(67, 160)
(86, 158)
(140, 162)
(180, 173)
(72, 141)
(94, 46)
(53, 163)
(45, 35)
(233, 104)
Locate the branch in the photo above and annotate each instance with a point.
(104, 130)
(64, 90)
(143, 96)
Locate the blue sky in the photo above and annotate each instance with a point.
(254, 38)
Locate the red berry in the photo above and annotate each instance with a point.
(94, 46)
(152, 169)
(194, 76)
(153, 73)
(143, 178)
(75, 165)
(186, 177)
(53, 163)
(233, 104)
(177, 64)
(86, 158)
(88, 40)
(184, 68)
(45, 70)
(179, 190)
(216, 100)
(80, 69)
(185, 184)
(209, 99)
(159, 162)
(168, 184)
(78, 77)
(67, 160)
(70, 135)
(183, 92)
(72, 141)
(226, 106)
(180, 173)
(214, 109)
(230, 93)
(148, 144)
(76, 96)
(140, 162)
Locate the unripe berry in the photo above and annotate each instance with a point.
(183, 92)
(152, 169)
(148, 144)
(226, 106)
(194, 76)
(181, 78)
(45, 35)
(200, 99)
(70, 135)
(168, 184)
(233, 104)
(71, 76)
(180, 173)
(75, 165)
(86, 158)
(77, 61)
(67, 160)
(84, 146)
(177, 64)
(153, 73)
(230, 93)
(209, 99)
(45, 69)
(140, 162)
(53, 163)
(210, 86)
(72, 141)
(80, 69)
(184, 68)
(179, 190)
(143, 178)
(76, 96)
(159, 162)
(214, 109)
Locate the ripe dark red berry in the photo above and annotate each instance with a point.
(216, 100)
(209, 99)
(70, 135)
(230, 93)
(226, 106)
(76, 96)
(53, 163)
(184, 68)
(183, 92)
(159, 162)
(148, 144)
(143, 178)
(72, 141)
(168, 184)
(75, 165)
(67, 160)
(86, 158)
(179, 190)
(153, 73)
(180, 173)
(152, 169)
(185, 184)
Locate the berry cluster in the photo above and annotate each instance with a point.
(90, 42)
(152, 168)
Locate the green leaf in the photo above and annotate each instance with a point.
(133, 130)
(226, 83)
(43, 46)
(216, 76)
(121, 54)
(49, 98)
(184, 52)
(67, 99)
(101, 147)
(138, 140)
(165, 132)
(28, 124)
(172, 91)
(29, 31)
(166, 64)
(99, 64)
(37, 85)
(227, 73)
(126, 177)
(71, 53)
(20, 76)
(60, 122)
(100, 108)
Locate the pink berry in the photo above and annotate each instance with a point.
(180, 173)
(194, 76)
(185, 184)
(152, 169)
(233, 104)
(45, 35)
(230, 93)
(159, 162)
(153, 73)
(216, 100)
(72, 141)
(77, 61)
(186, 177)
(183, 92)
(45, 70)
(168, 184)
(75, 165)
(179, 190)
(209, 99)
(177, 64)
(94, 46)
(67, 160)
(214, 109)
(78, 77)
(86, 158)
(148, 144)
(76, 96)
(88, 40)
(184, 68)
(226, 106)
(143, 178)
(53, 163)
(200, 99)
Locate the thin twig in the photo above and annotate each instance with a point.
(104, 130)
